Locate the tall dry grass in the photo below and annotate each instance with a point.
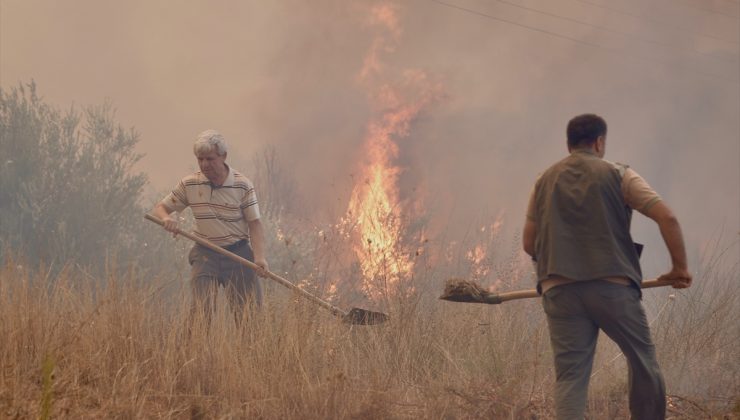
(72, 346)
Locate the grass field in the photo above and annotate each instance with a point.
(74, 346)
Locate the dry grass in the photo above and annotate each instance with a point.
(77, 347)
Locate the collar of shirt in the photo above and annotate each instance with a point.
(229, 182)
(584, 151)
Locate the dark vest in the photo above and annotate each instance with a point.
(583, 223)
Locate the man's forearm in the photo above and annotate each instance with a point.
(670, 230)
(161, 211)
(257, 234)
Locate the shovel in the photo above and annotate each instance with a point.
(459, 290)
(355, 316)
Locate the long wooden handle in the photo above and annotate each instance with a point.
(272, 276)
(525, 294)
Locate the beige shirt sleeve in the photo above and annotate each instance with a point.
(177, 200)
(637, 193)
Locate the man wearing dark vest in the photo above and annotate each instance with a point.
(588, 270)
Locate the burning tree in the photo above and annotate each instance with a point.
(375, 218)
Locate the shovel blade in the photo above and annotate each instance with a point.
(359, 316)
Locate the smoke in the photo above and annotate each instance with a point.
(285, 73)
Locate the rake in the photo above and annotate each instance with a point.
(355, 316)
(466, 291)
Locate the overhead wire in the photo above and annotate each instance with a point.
(605, 29)
(648, 19)
(712, 11)
(521, 25)
(576, 40)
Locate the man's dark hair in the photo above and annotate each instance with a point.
(583, 130)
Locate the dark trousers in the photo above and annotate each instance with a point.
(575, 313)
(211, 269)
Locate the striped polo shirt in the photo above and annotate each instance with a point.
(221, 212)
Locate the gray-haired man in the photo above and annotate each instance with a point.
(224, 205)
(578, 230)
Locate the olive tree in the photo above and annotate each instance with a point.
(68, 189)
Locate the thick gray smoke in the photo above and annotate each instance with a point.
(664, 74)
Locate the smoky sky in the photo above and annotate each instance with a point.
(284, 74)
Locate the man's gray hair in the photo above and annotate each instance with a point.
(210, 140)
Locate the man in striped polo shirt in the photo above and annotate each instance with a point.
(588, 269)
(224, 205)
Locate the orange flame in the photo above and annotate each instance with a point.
(375, 208)
(479, 257)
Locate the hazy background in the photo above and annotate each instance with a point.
(284, 74)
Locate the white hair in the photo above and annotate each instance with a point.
(208, 141)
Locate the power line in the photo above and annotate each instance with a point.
(511, 22)
(707, 10)
(605, 29)
(648, 19)
(576, 40)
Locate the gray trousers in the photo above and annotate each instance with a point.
(575, 313)
(211, 269)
